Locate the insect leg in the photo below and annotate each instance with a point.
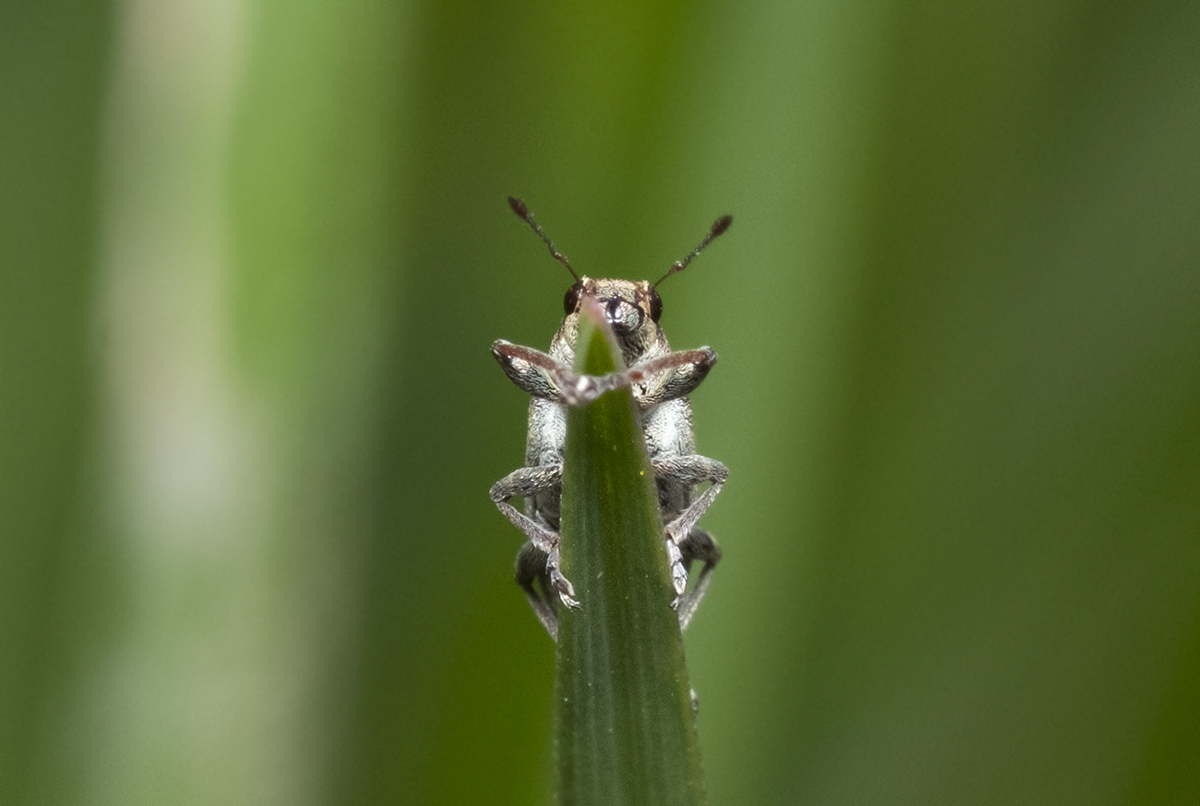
(691, 469)
(525, 481)
(542, 375)
(699, 545)
(531, 568)
(534, 372)
(670, 377)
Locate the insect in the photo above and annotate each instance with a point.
(661, 381)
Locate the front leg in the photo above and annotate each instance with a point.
(526, 482)
(534, 372)
(542, 375)
(670, 377)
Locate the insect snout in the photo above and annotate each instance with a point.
(624, 316)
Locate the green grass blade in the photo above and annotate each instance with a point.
(626, 730)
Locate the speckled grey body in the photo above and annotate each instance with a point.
(660, 381)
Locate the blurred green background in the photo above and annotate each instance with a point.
(252, 256)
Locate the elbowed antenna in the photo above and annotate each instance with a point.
(718, 227)
(523, 213)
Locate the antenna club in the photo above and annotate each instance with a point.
(719, 226)
(518, 207)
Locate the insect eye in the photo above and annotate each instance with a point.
(571, 299)
(655, 305)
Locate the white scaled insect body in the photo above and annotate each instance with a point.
(661, 381)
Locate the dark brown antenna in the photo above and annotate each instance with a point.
(523, 213)
(718, 227)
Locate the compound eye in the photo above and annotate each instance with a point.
(655, 305)
(571, 299)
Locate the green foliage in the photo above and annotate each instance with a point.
(252, 256)
(625, 728)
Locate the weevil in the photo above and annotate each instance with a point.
(661, 381)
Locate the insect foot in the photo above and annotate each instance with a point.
(660, 381)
